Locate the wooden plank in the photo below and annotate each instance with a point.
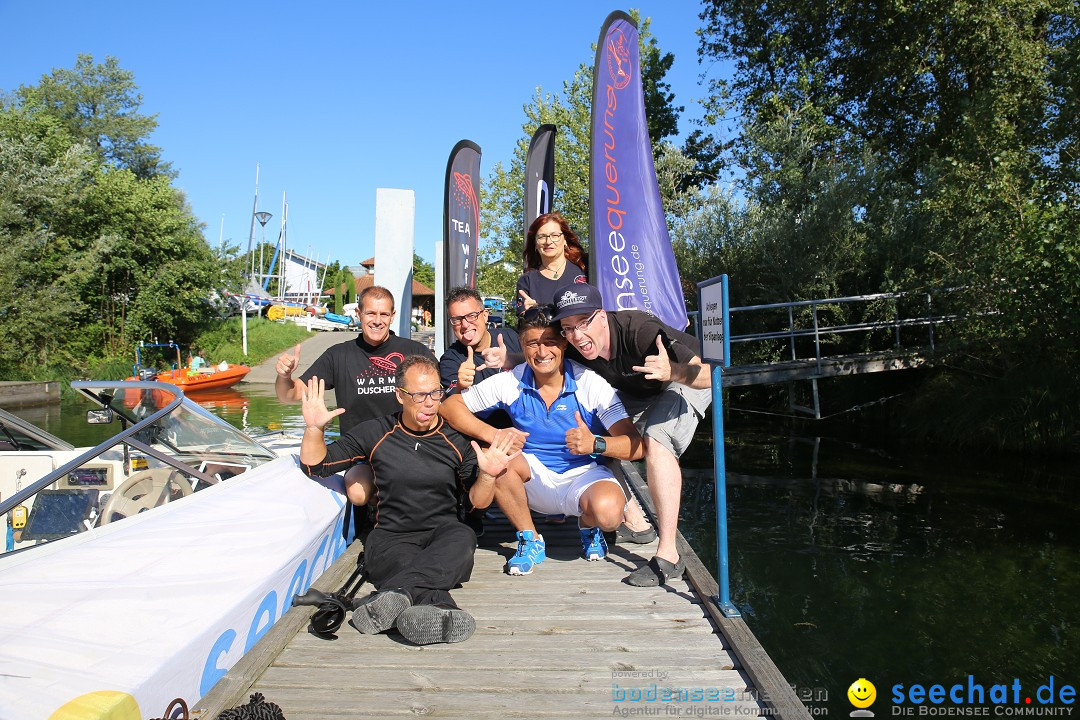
(232, 690)
(513, 679)
(562, 642)
(762, 671)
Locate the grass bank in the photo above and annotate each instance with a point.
(223, 341)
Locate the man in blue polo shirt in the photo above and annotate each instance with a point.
(560, 411)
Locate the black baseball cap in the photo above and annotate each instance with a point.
(577, 299)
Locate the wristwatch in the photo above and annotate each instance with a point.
(599, 446)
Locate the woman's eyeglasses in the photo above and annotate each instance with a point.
(554, 237)
(421, 397)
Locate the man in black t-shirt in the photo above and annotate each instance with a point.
(417, 550)
(360, 372)
(466, 361)
(665, 388)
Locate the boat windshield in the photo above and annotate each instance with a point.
(164, 448)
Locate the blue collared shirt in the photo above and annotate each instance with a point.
(583, 392)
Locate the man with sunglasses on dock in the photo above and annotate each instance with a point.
(421, 468)
(665, 388)
(565, 417)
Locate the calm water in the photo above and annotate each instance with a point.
(851, 561)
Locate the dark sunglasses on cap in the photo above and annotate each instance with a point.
(539, 314)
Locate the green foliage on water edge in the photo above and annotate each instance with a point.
(266, 339)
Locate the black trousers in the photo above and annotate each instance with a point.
(426, 564)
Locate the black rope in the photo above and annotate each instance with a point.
(256, 709)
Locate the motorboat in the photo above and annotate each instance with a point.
(138, 571)
(207, 377)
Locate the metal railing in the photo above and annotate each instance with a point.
(812, 325)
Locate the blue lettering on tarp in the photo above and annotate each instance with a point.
(269, 607)
(315, 557)
(332, 545)
(211, 672)
(296, 587)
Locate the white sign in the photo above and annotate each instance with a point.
(712, 321)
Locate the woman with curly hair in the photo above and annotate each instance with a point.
(553, 258)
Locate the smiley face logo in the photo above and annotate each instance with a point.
(862, 693)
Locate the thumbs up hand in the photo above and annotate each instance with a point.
(580, 440)
(466, 371)
(287, 363)
(657, 367)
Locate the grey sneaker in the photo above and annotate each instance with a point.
(377, 612)
(427, 624)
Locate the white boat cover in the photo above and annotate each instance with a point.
(118, 621)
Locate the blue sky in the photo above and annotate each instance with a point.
(333, 100)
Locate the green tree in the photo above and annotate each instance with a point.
(44, 180)
(912, 146)
(118, 256)
(423, 271)
(100, 103)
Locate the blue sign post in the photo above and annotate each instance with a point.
(716, 350)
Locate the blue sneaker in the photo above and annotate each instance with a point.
(593, 544)
(530, 553)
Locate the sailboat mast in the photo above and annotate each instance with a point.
(251, 235)
(284, 235)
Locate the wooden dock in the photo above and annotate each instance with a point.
(570, 640)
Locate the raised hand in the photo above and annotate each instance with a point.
(466, 371)
(313, 405)
(580, 440)
(658, 366)
(527, 301)
(495, 459)
(287, 363)
(495, 357)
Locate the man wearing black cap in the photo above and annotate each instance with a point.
(665, 388)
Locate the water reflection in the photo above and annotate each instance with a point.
(852, 563)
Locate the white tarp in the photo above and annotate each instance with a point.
(118, 621)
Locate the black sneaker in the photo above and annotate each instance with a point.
(377, 612)
(427, 624)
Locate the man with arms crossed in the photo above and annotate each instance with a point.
(665, 389)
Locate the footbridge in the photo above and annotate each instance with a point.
(809, 340)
